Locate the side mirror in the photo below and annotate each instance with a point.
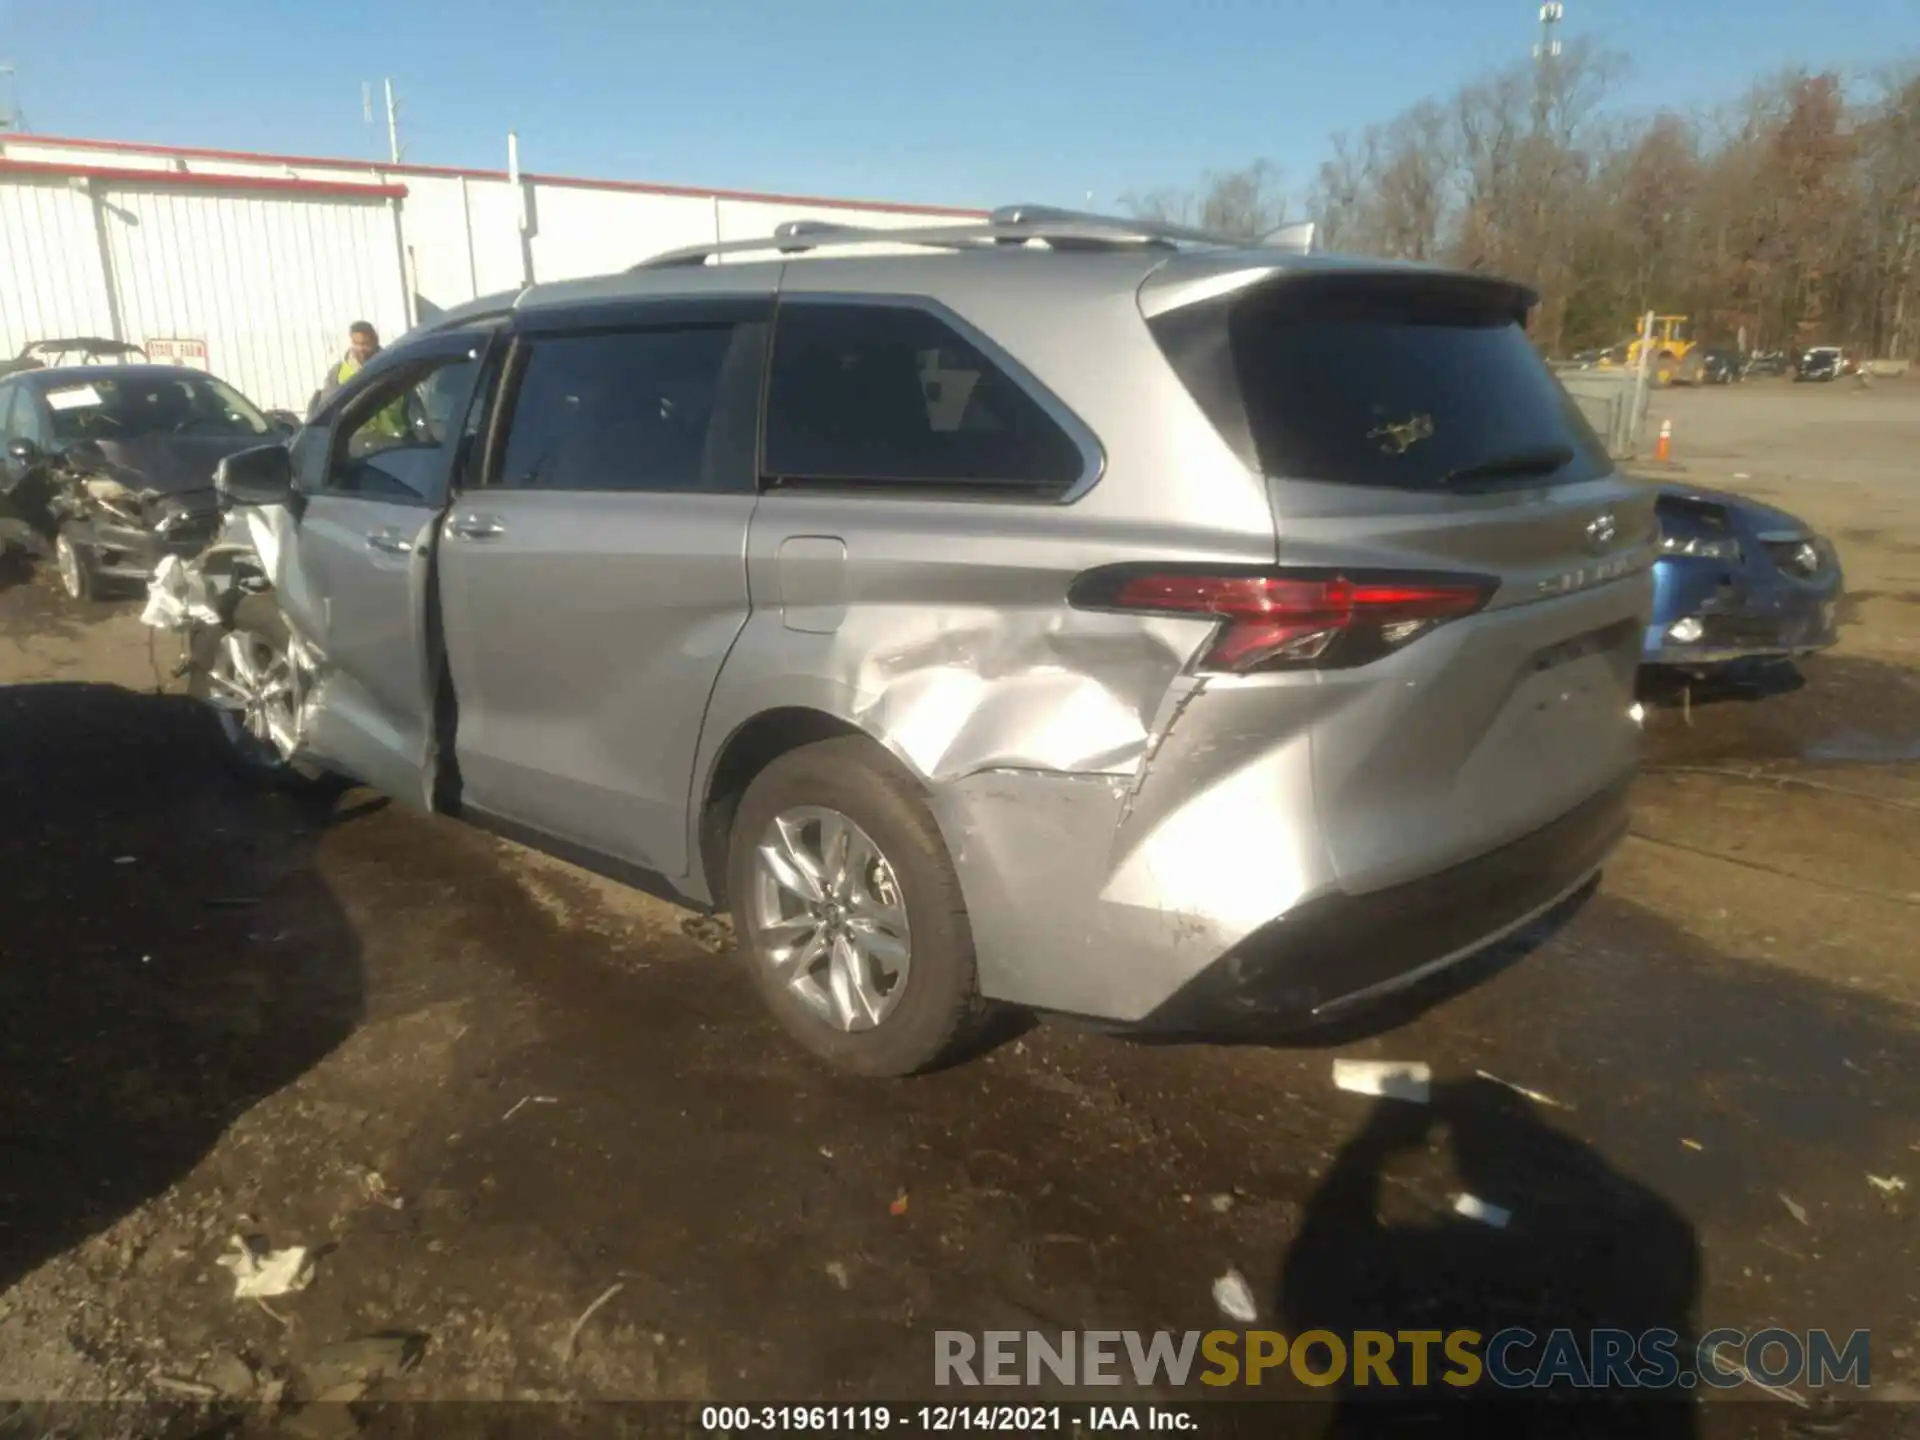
(23, 451)
(260, 476)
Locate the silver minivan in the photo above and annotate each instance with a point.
(1077, 614)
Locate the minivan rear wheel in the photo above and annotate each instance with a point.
(849, 913)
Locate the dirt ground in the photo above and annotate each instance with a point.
(490, 1089)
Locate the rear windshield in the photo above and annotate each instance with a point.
(1406, 391)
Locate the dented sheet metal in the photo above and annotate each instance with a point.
(1078, 694)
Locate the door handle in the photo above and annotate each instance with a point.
(391, 542)
(475, 527)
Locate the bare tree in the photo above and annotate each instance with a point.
(1248, 202)
(1791, 215)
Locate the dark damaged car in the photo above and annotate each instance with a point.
(1737, 584)
(109, 468)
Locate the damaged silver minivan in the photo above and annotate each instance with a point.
(1079, 614)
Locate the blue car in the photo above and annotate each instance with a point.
(1737, 583)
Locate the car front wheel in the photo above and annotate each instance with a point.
(75, 565)
(849, 912)
(246, 672)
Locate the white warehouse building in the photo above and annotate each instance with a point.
(252, 266)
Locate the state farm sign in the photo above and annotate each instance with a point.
(175, 351)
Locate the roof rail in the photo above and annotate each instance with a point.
(1009, 225)
(1041, 216)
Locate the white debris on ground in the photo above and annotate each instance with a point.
(1235, 1298)
(260, 1273)
(1487, 1213)
(1887, 1184)
(1393, 1079)
(1533, 1095)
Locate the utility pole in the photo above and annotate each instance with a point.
(1546, 56)
(393, 124)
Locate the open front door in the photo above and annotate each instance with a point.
(375, 469)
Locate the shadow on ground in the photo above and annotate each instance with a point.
(170, 956)
(1590, 1249)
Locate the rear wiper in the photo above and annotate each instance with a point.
(1541, 460)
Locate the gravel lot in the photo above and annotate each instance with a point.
(494, 1088)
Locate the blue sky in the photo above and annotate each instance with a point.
(962, 102)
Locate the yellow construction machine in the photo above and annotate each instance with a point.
(1672, 341)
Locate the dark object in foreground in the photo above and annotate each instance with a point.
(1737, 582)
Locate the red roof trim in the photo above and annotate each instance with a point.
(452, 173)
(201, 180)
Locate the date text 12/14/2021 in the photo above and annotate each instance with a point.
(942, 1419)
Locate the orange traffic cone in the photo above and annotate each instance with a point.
(1663, 448)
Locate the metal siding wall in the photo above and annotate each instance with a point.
(496, 242)
(751, 219)
(582, 232)
(51, 283)
(270, 284)
(436, 228)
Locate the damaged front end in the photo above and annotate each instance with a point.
(122, 529)
(1738, 584)
(260, 697)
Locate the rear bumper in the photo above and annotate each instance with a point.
(1342, 950)
(1051, 933)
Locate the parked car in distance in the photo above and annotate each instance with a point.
(1737, 583)
(1822, 362)
(1766, 362)
(1720, 365)
(1083, 615)
(109, 467)
(83, 350)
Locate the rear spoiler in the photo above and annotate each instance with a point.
(1189, 280)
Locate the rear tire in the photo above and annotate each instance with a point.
(869, 965)
(257, 631)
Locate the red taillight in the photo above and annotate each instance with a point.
(1281, 618)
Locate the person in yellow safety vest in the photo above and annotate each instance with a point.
(363, 343)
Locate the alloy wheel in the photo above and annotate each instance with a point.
(829, 917)
(67, 557)
(252, 685)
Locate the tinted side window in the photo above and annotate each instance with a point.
(7, 392)
(894, 394)
(637, 410)
(397, 432)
